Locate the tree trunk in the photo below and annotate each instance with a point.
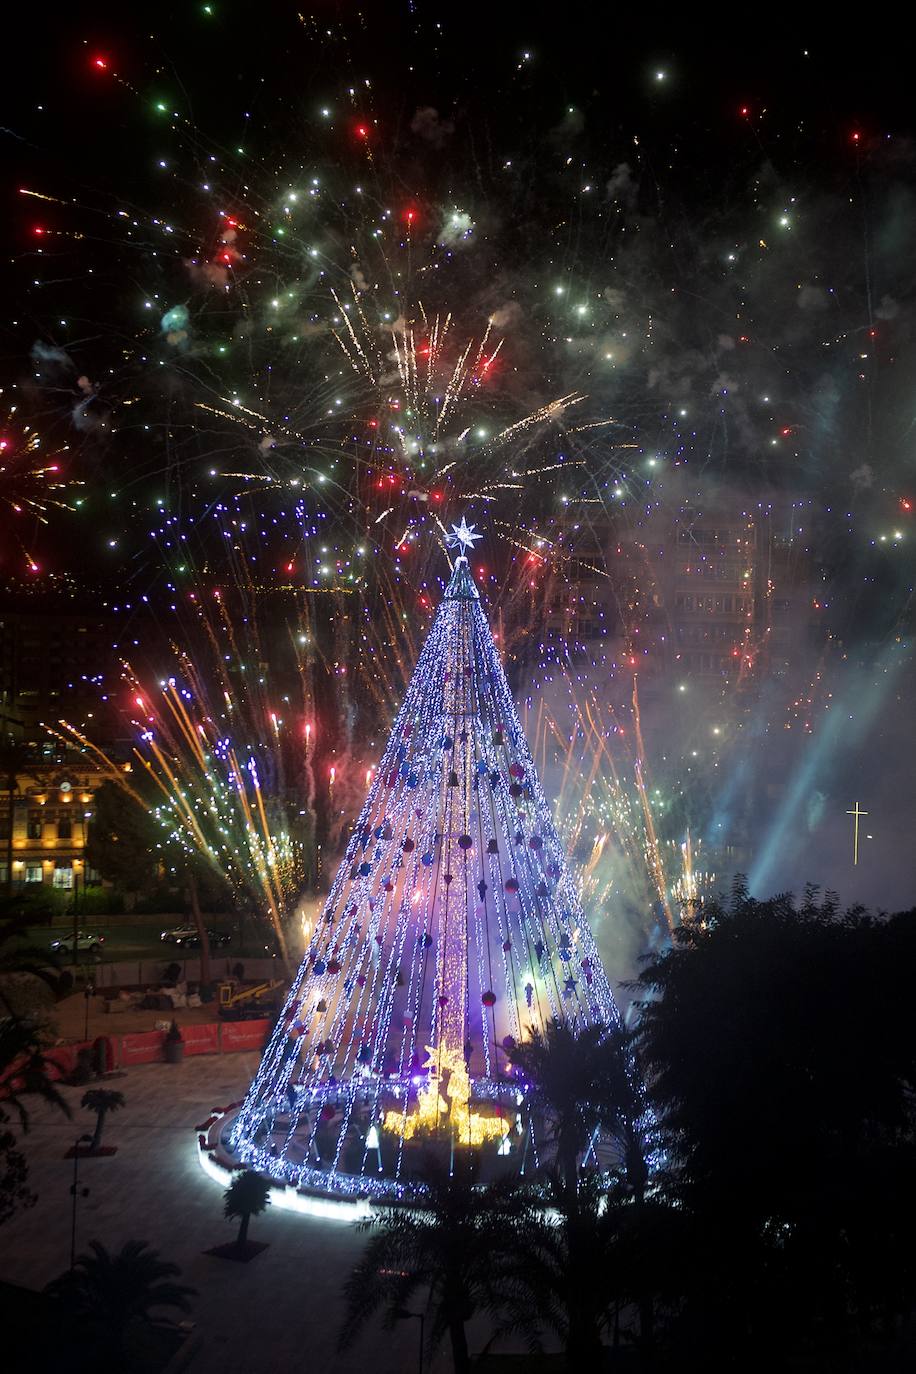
(646, 1303)
(637, 1177)
(646, 1323)
(460, 1358)
(97, 1133)
(583, 1341)
(203, 937)
(243, 1230)
(568, 1148)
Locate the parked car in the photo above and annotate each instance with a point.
(85, 944)
(187, 937)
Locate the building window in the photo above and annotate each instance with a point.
(33, 830)
(63, 877)
(33, 873)
(4, 874)
(65, 828)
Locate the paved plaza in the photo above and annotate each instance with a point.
(281, 1311)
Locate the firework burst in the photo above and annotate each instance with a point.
(33, 484)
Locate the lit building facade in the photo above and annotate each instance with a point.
(43, 825)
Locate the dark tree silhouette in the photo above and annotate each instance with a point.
(106, 1295)
(101, 1101)
(25, 1066)
(776, 1038)
(122, 840)
(455, 1250)
(581, 1082)
(563, 1275)
(247, 1196)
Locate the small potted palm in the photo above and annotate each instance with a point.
(174, 1044)
(247, 1196)
(101, 1101)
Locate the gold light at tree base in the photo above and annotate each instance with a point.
(448, 1109)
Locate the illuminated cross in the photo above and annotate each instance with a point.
(855, 846)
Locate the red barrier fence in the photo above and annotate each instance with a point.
(243, 1035)
(217, 1037)
(143, 1047)
(146, 1047)
(203, 1039)
(61, 1061)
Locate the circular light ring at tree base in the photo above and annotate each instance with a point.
(452, 930)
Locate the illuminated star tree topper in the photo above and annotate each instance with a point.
(463, 536)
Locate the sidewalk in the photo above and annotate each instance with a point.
(279, 1313)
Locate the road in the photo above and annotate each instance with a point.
(138, 937)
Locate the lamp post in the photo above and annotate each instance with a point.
(88, 994)
(76, 904)
(76, 1192)
(404, 1315)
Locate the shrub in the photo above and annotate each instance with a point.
(98, 901)
(34, 903)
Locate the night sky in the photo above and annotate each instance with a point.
(230, 229)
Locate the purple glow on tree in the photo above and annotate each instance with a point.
(453, 927)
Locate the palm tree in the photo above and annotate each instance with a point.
(247, 1196)
(581, 1082)
(564, 1274)
(627, 1123)
(101, 1101)
(110, 1293)
(24, 1067)
(588, 1082)
(584, 1258)
(622, 1110)
(455, 1248)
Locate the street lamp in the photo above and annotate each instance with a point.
(403, 1315)
(76, 903)
(76, 1192)
(88, 994)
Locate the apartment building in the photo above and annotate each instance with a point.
(44, 819)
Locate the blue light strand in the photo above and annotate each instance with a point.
(455, 829)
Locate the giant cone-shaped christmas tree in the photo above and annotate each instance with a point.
(452, 928)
